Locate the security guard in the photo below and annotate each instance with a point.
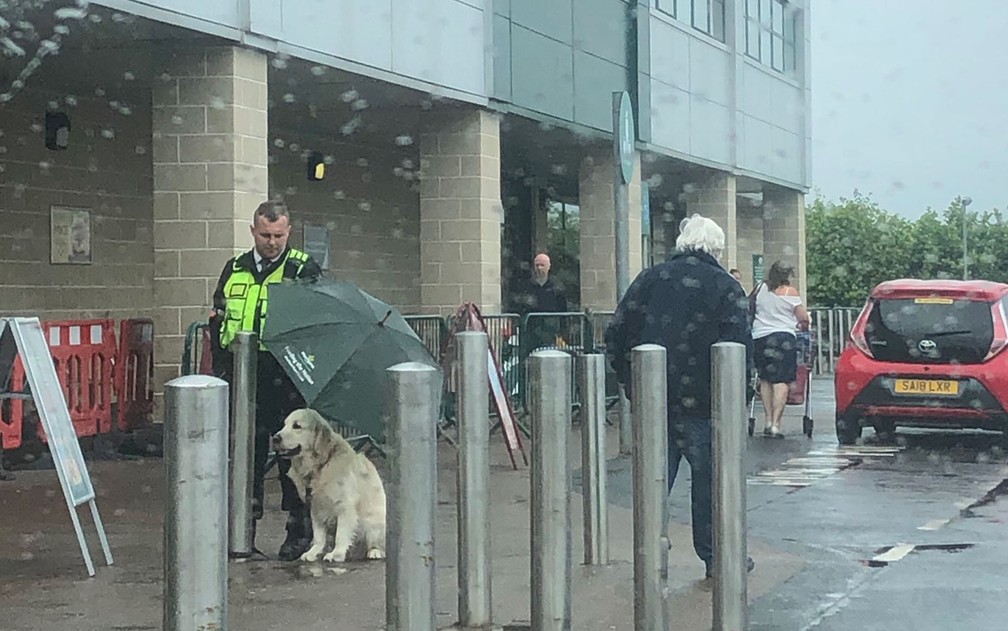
(240, 303)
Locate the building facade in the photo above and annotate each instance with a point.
(138, 137)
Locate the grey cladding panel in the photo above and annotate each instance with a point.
(544, 71)
(601, 27)
(594, 82)
(548, 17)
(502, 58)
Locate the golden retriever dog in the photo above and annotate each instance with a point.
(341, 487)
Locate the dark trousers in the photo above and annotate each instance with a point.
(691, 438)
(276, 397)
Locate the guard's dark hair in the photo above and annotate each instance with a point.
(271, 211)
(779, 275)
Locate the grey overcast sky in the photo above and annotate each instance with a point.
(910, 102)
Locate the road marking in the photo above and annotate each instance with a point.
(935, 524)
(894, 554)
(802, 471)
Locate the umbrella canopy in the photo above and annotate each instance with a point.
(335, 342)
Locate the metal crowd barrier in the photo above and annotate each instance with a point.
(569, 332)
(504, 338)
(831, 328)
(431, 330)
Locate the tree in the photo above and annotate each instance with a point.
(564, 248)
(851, 246)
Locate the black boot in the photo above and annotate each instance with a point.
(299, 534)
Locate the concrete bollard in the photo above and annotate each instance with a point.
(195, 529)
(550, 405)
(414, 396)
(728, 372)
(591, 383)
(650, 487)
(243, 406)
(474, 583)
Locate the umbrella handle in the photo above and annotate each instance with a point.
(387, 316)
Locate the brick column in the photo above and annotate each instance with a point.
(598, 240)
(784, 230)
(714, 198)
(460, 212)
(750, 240)
(210, 173)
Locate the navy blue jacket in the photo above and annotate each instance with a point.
(685, 304)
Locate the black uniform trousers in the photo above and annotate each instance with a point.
(276, 397)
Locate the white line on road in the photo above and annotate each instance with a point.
(895, 553)
(935, 524)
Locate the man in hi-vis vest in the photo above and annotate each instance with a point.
(240, 303)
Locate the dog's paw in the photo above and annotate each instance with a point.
(376, 553)
(336, 556)
(311, 555)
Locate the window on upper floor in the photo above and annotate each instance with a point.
(707, 16)
(771, 34)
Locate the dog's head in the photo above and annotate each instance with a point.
(304, 432)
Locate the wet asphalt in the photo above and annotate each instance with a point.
(909, 534)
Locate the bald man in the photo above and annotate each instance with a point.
(540, 294)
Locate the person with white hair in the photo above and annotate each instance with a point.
(685, 304)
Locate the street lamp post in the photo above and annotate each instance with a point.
(966, 201)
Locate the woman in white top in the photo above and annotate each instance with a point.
(778, 315)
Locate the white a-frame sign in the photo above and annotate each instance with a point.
(24, 337)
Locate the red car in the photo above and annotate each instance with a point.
(925, 353)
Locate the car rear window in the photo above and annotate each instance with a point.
(930, 330)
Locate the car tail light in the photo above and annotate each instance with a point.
(857, 334)
(1000, 330)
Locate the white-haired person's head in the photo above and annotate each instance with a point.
(701, 234)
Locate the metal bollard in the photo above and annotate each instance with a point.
(414, 396)
(591, 382)
(728, 374)
(243, 406)
(550, 380)
(650, 487)
(474, 598)
(195, 546)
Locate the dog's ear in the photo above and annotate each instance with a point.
(323, 441)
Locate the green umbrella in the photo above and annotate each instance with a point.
(335, 342)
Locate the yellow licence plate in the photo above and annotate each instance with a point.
(927, 386)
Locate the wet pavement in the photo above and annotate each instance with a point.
(903, 536)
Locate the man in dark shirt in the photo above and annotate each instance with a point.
(540, 294)
(685, 304)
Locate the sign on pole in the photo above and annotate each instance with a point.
(757, 269)
(24, 337)
(469, 318)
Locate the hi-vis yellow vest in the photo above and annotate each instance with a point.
(246, 298)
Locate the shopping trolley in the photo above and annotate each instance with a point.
(799, 390)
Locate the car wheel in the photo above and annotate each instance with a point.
(848, 430)
(886, 431)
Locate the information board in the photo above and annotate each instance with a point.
(27, 338)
